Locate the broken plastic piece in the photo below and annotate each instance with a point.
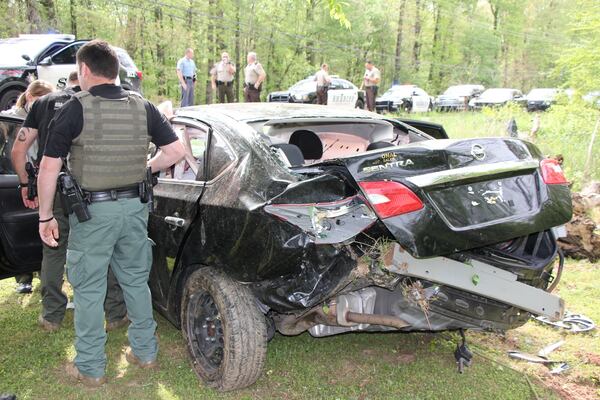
(574, 323)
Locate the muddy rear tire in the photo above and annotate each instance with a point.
(225, 333)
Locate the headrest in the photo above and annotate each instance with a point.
(292, 153)
(379, 145)
(309, 143)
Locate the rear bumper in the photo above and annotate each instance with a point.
(481, 279)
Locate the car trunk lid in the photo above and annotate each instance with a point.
(472, 192)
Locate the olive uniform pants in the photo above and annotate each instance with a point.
(54, 300)
(225, 90)
(251, 94)
(371, 93)
(322, 95)
(116, 235)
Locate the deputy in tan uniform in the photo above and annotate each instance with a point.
(254, 75)
(222, 76)
(371, 84)
(323, 82)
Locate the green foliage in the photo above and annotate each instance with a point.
(493, 42)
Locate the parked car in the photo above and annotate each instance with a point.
(408, 98)
(497, 97)
(51, 58)
(541, 99)
(457, 97)
(593, 97)
(293, 218)
(341, 93)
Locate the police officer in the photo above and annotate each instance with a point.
(186, 72)
(54, 300)
(222, 75)
(371, 81)
(254, 75)
(323, 81)
(106, 131)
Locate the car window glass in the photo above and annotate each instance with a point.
(65, 56)
(8, 133)
(221, 156)
(420, 92)
(190, 167)
(51, 50)
(335, 84)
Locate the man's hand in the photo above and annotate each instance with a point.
(26, 202)
(49, 232)
(214, 87)
(183, 85)
(256, 85)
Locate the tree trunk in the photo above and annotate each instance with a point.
(310, 12)
(435, 51)
(211, 39)
(33, 16)
(160, 52)
(238, 60)
(51, 21)
(397, 61)
(73, 12)
(417, 30)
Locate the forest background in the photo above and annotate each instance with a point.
(431, 43)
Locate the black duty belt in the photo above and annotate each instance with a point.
(188, 77)
(219, 83)
(250, 86)
(113, 194)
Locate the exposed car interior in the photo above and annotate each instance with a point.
(194, 141)
(308, 141)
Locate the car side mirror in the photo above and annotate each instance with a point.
(25, 57)
(46, 61)
(415, 93)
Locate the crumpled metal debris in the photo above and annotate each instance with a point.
(556, 366)
(574, 323)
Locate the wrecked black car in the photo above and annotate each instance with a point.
(295, 218)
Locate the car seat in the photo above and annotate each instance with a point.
(309, 144)
(292, 153)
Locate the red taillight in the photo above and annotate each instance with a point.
(139, 74)
(552, 173)
(391, 198)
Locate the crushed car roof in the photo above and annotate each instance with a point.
(245, 112)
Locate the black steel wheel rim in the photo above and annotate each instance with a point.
(205, 331)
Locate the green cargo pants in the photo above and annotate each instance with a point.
(54, 300)
(116, 235)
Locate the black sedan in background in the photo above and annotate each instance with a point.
(341, 93)
(541, 99)
(457, 97)
(497, 97)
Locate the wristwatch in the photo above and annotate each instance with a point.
(22, 185)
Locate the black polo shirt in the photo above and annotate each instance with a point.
(43, 110)
(68, 122)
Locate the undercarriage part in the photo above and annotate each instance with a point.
(481, 279)
(376, 319)
(561, 264)
(556, 366)
(463, 354)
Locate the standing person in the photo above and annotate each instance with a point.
(54, 301)
(106, 130)
(371, 84)
(323, 81)
(222, 75)
(254, 75)
(36, 89)
(186, 72)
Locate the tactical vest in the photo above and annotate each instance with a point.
(111, 151)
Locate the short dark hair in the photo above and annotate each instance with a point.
(100, 58)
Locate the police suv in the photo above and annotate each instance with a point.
(50, 57)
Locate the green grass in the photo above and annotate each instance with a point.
(351, 366)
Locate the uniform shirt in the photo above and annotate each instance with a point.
(252, 72)
(187, 67)
(372, 74)
(42, 112)
(221, 71)
(68, 122)
(322, 78)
